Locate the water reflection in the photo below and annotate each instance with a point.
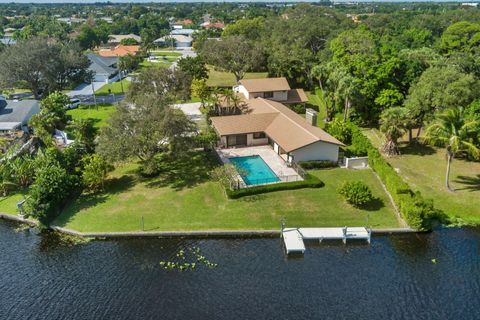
(45, 278)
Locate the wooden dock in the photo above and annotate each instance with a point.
(293, 237)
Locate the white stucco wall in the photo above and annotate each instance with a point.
(316, 151)
(256, 142)
(241, 89)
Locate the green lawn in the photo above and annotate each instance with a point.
(165, 53)
(99, 116)
(423, 167)
(115, 87)
(8, 204)
(226, 79)
(184, 198)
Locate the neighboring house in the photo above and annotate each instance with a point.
(266, 122)
(276, 89)
(14, 114)
(179, 24)
(115, 39)
(208, 25)
(183, 32)
(119, 51)
(104, 69)
(179, 41)
(7, 38)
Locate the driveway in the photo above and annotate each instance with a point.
(186, 52)
(192, 110)
(85, 89)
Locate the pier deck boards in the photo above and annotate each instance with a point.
(293, 237)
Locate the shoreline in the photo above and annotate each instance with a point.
(182, 234)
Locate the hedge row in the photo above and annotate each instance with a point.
(416, 211)
(317, 164)
(310, 181)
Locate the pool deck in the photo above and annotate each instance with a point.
(273, 160)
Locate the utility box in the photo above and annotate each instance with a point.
(311, 116)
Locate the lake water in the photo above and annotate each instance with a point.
(393, 278)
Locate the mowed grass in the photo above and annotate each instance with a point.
(8, 204)
(99, 115)
(184, 198)
(115, 87)
(423, 167)
(218, 78)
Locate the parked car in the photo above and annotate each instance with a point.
(74, 103)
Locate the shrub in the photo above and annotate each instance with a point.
(356, 193)
(95, 172)
(310, 181)
(416, 211)
(317, 164)
(340, 130)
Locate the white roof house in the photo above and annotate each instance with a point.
(14, 114)
(179, 41)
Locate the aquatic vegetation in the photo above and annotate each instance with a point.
(188, 260)
(22, 227)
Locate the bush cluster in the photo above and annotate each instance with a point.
(356, 193)
(310, 181)
(416, 211)
(317, 164)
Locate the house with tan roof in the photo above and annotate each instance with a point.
(115, 39)
(268, 122)
(276, 89)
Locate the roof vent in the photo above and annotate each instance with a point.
(311, 116)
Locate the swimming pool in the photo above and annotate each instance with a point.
(254, 170)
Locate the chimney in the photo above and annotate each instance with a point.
(311, 116)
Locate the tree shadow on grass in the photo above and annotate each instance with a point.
(417, 149)
(88, 200)
(374, 205)
(183, 172)
(469, 183)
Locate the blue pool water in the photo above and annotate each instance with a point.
(254, 170)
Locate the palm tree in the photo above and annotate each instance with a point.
(452, 131)
(6, 179)
(393, 123)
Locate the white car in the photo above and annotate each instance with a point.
(74, 103)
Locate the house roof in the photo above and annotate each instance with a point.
(120, 37)
(296, 96)
(208, 25)
(265, 85)
(183, 22)
(119, 51)
(102, 65)
(176, 37)
(284, 126)
(185, 32)
(16, 112)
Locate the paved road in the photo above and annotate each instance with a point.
(110, 99)
(85, 89)
(187, 52)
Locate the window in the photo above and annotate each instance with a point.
(259, 135)
(268, 94)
